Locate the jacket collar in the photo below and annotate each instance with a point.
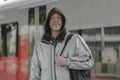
(48, 39)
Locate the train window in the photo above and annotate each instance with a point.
(9, 39)
(31, 16)
(112, 41)
(42, 14)
(112, 30)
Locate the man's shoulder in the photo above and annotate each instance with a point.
(74, 34)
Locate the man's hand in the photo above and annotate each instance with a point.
(60, 61)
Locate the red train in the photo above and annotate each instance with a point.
(13, 52)
(16, 46)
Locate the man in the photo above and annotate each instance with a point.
(47, 64)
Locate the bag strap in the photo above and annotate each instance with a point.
(85, 47)
(66, 41)
(87, 50)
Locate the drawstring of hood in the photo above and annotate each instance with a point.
(47, 30)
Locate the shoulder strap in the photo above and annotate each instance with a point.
(86, 47)
(66, 41)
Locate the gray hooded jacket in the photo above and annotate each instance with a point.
(46, 48)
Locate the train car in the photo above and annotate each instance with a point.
(13, 52)
(17, 44)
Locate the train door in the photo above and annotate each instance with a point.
(36, 20)
(9, 51)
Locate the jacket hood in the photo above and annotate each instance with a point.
(47, 30)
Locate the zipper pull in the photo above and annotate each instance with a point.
(55, 43)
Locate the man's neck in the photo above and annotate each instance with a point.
(54, 34)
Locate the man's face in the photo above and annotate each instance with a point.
(56, 22)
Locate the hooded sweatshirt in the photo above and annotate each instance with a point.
(43, 65)
(47, 30)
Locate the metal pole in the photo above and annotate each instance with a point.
(102, 39)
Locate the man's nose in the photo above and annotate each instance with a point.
(56, 19)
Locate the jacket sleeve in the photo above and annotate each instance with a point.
(35, 69)
(82, 57)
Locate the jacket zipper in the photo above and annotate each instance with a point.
(51, 65)
(55, 44)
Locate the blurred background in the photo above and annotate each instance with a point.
(22, 21)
